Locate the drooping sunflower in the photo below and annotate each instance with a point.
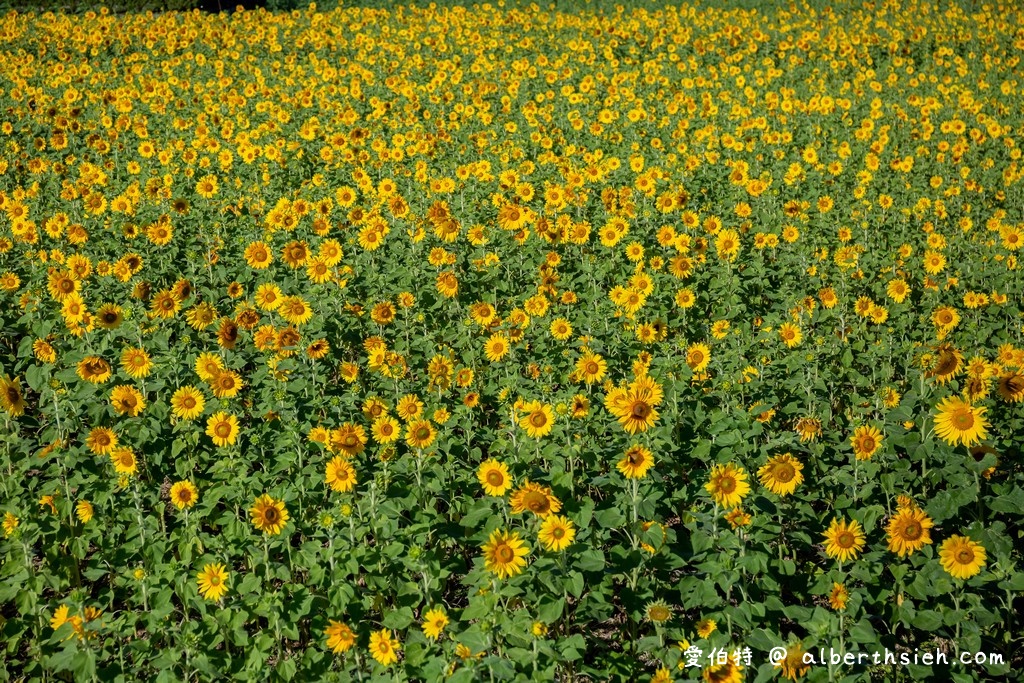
(340, 476)
(187, 403)
(383, 647)
(11, 397)
(84, 511)
(222, 428)
(539, 419)
(728, 485)
(844, 540)
(793, 665)
(184, 494)
(504, 554)
(268, 515)
(556, 533)
(494, 477)
(960, 422)
(705, 627)
(1011, 387)
(635, 463)
(340, 638)
(213, 581)
(536, 498)
(434, 622)
(781, 474)
(866, 440)
(908, 531)
(961, 557)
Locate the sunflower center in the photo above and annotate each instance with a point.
(640, 410)
(784, 472)
(214, 580)
(495, 478)
(867, 443)
(912, 531)
(270, 515)
(558, 533)
(536, 502)
(538, 419)
(504, 554)
(845, 540)
(965, 556)
(592, 368)
(963, 420)
(223, 430)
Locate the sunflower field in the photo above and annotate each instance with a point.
(509, 343)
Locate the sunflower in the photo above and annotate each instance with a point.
(268, 515)
(268, 296)
(556, 533)
(561, 329)
(187, 403)
(948, 364)
(84, 511)
(730, 672)
(383, 648)
(793, 665)
(504, 554)
(385, 429)
(409, 407)
(109, 316)
(184, 494)
(657, 612)
(961, 557)
(1011, 387)
(258, 256)
(94, 369)
(960, 422)
(295, 310)
(341, 476)
(434, 622)
(447, 284)
(213, 581)
(705, 627)
(844, 540)
(496, 347)
(635, 463)
(420, 434)
(127, 400)
(539, 420)
(698, 356)
(790, 335)
(839, 596)
(101, 440)
(728, 485)
(349, 440)
(124, 461)
(340, 638)
(222, 428)
(635, 406)
(164, 304)
(737, 518)
(591, 368)
(536, 498)
(11, 397)
(908, 531)
(11, 522)
(494, 477)
(44, 351)
(781, 474)
(809, 429)
(866, 440)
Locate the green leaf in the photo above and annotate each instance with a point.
(927, 620)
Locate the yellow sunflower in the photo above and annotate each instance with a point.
(556, 533)
(340, 476)
(184, 494)
(728, 485)
(908, 531)
(187, 403)
(781, 474)
(213, 581)
(494, 477)
(960, 422)
(434, 622)
(340, 638)
(961, 557)
(843, 541)
(635, 463)
(504, 554)
(866, 440)
(383, 647)
(539, 419)
(222, 428)
(268, 515)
